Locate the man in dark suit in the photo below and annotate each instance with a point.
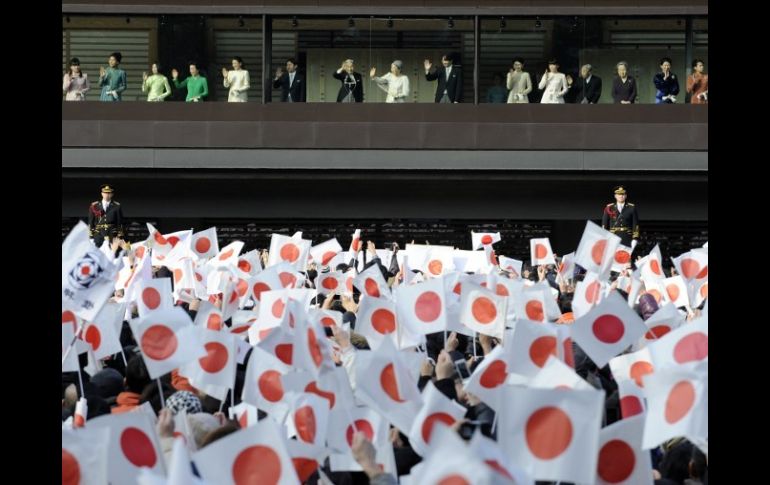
(105, 217)
(590, 87)
(450, 80)
(352, 89)
(291, 82)
(621, 219)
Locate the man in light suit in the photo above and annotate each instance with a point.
(450, 80)
(291, 82)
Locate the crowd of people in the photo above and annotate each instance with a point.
(342, 312)
(556, 87)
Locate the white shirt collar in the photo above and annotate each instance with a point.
(105, 203)
(588, 79)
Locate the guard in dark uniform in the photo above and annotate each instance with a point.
(620, 218)
(105, 217)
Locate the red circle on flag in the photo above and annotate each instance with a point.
(314, 348)
(501, 290)
(159, 238)
(93, 336)
(305, 423)
(349, 284)
(534, 310)
(493, 464)
(655, 294)
(673, 292)
(388, 382)
(435, 267)
(630, 406)
(257, 465)
(270, 386)
(288, 280)
(592, 292)
(690, 268)
(159, 342)
(140, 252)
(216, 360)
(608, 329)
(453, 480)
(622, 256)
(264, 333)
(427, 306)
(243, 421)
(680, 401)
(486, 239)
(616, 461)
(703, 273)
(361, 425)
(278, 307)
(692, 348)
(202, 245)
(244, 265)
(69, 317)
(355, 244)
(70, 469)
(541, 348)
(484, 310)
(328, 256)
(173, 240)
(371, 287)
(233, 296)
(284, 353)
(640, 369)
(597, 251)
(383, 321)
(258, 288)
(242, 287)
(151, 298)
(431, 420)
(704, 290)
(198, 276)
(85, 270)
(226, 254)
(548, 432)
(214, 322)
(328, 322)
(330, 283)
(329, 396)
(178, 275)
(655, 267)
(137, 447)
(494, 375)
(540, 251)
(569, 355)
(657, 332)
(304, 468)
(289, 252)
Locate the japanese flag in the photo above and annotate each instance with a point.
(305, 458)
(607, 329)
(565, 352)
(104, 332)
(652, 267)
(262, 386)
(280, 343)
(468, 261)
(227, 256)
(483, 311)
(289, 277)
(555, 374)
(621, 458)
(268, 280)
(333, 281)
(204, 244)
(622, 258)
(355, 243)
(436, 408)
(677, 405)
(464, 467)
(325, 318)
(596, 250)
(70, 364)
(687, 345)
(256, 454)
(632, 367)
(308, 418)
(480, 239)
(386, 385)
(245, 413)
(676, 291)
(693, 265)
(588, 294)
(217, 368)
(701, 294)
(163, 246)
(531, 346)
(289, 250)
(154, 295)
(421, 307)
(632, 401)
(272, 308)
(333, 386)
(323, 253)
(84, 454)
(510, 265)
(551, 433)
(208, 316)
(343, 424)
(666, 319)
(530, 304)
(370, 282)
(490, 375)
(376, 320)
(347, 280)
(311, 348)
(488, 450)
(184, 275)
(81, 412)
(384, 458)
(250, 263)
(167, 340)
(507, 288)
(438, 262)
(491, 258)
(540, 251)
(566, 267)
(133, 444)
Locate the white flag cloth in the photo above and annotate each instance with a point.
(622, 258)
(305, 458)
(531, 346)
(326, 283)
(555, 374)
(530, 304)
(323, 253)
(209, 316)
(489, 452)
(632, 401)
(551, 433)
(666, 319)
(510, 265)
(421, 307)
(227, 256)
(355, 243)
(84, 454)
(436, 408)
(588, 294)
(245, 413)
(154, 295)
(438, 262)
(267, 280)
(480, 239)
(632, 367)
(483, 310)
(607, 329)
(621, 458)
(205, 243)
(262, 386)
(376, 320)
(343, 425)
(464, 466)
(104, 332)
(490, 375)
(693, 265)
(217, 368)
(687, 345)
(250, 263)
(371, 283)
(308, 418)
(292, 251)
(540, 251)
(676, 291)
(596, 251)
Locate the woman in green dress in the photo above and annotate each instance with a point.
(112, 80)
(157, 85)
(197, 86)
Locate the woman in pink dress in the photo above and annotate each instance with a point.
(75, 84)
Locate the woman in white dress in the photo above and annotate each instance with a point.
(518, 83)
(394, 83)
(238, 82)
(554, 83)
